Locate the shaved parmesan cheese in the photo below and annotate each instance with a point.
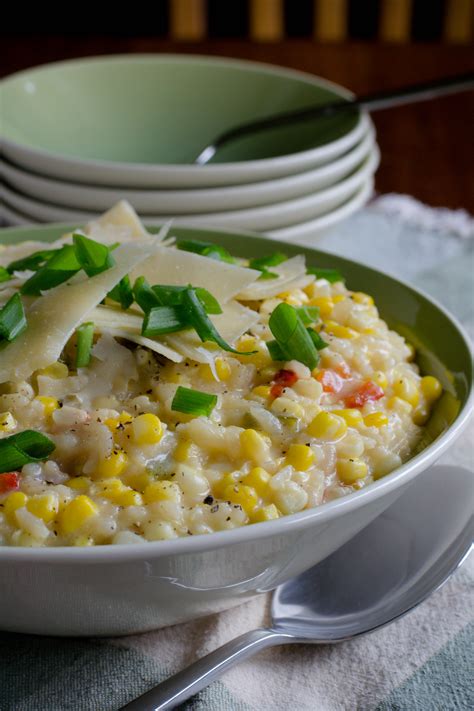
(13, 252)
(53, 317)
(290, 272)
(121, 223)
(156, 346)
(180, 268)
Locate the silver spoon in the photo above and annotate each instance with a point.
(371, 102)
(379, 575)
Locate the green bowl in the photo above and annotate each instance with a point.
(143, 119)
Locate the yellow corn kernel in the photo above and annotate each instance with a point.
(183, 450)
(50, 404)
(177, 378)
(111, 488)
(421, 415)
(76, 514)
(338, 298)
(380, 379)
(351, 470)
(223, 369)
(258, 478)
(339, 331)
(129, 498)
(83, 541)
(242, 495)
(55, 370)
(430, 387)
(402, 406)
(79, 483)
(376, 419)
(147, 429)
(139, 482)
(286, 407)
(219, 487)
(350, 415)
(368, 331)
(268, 373)
(300, 457)
(262, 391)
(123, 419)
(360, 298)
(324, 303)
(254, 446)
(266, 513)
(161, 491)
(246, 343)
(406, 389)
(15, 500)
(112, 465)
(327, 426)
(44, 506)
(7, 422)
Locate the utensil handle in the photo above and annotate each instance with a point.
(201, 673)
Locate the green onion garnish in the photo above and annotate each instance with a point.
(308, 314)
(319, 342)
(202, 324)
(331, 275)
(262, 264)
(193, 402)
(206, 249)
(292, 337)
(12, 319)
(92, 256)
(164, 319)
(23, 448)
(275, 351)
(122, 293)
(58, 269)
(85, 337)
(33, 261)
(148, 296)
(4, 274)
(144, 295)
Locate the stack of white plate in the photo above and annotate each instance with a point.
(79, 136)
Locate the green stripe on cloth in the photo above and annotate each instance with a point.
(444, 683)
(56, 674)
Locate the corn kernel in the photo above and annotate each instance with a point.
(254, 446)
(111, 488)
(223, 369)
(350, 415)
(327, 426)
(376, 419)
(300, 457)
(83, 541)
(324, 303)
(129, 498)
(15, 500)
(258, 478)
(380, 379)
(339, 331)
(266, 513)
(161, 491)
(421, 415)
(76, 514)
(139, 482)
(369, 331)
(351, 470)
(112, 465)
(79, 483)
(219, 487)
(123, 419)
(183, 450)
(286, 407)
(360, 298)
(147, 429)
(430, 387)
(7, 422)
(399, 405)
(406, 389)
(338, 298)
(262, 391)
(55, 370)
(50, 404)
(242, 495)
(45, 507)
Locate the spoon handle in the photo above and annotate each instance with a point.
(201, 673)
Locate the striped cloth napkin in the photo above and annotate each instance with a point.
(422, 661)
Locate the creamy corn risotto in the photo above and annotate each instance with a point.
(152, 389)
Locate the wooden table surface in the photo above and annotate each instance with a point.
(427, 149)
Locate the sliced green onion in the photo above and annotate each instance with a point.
(33, 261)
(275, 351)
(319, 342)
(265, 274)
(148, 296)
(271, 260)
(4, 274)
(122, 293)
(58, 269)
(292, 337)
(202, 324)
(164, 319)
(23, 448)
(144, 295)
(12, 319)
(308, 314)
(85, 337)
(331, 275)
(193, 402)
(92, 256)
(206, 249)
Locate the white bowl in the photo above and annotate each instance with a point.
(263, 218)
(181, 202)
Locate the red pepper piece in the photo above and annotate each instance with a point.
(10, 481)
(283, 379)
(367, 392)
(330, 380)
(343, 370)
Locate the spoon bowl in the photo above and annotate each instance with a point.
(382, 573)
